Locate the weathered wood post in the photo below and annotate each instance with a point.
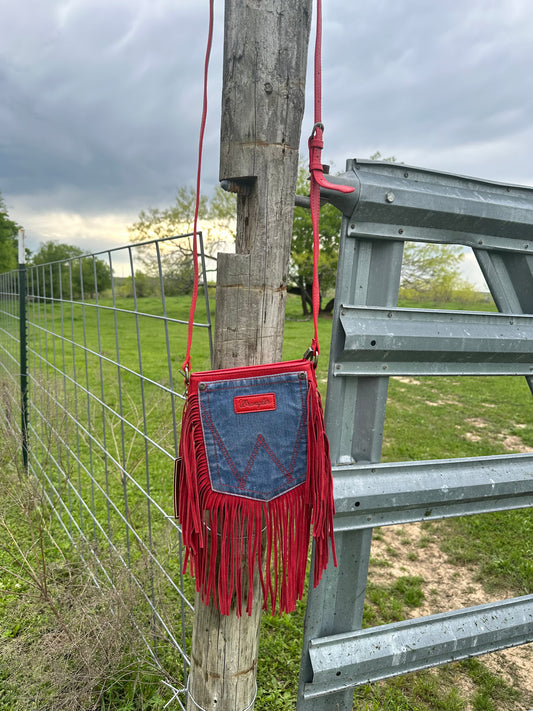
(265, 57)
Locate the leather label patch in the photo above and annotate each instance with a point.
(254, 403)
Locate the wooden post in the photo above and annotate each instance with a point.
(265, 58)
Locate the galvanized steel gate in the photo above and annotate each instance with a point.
(372, 340)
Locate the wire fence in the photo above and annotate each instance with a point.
(90, 353)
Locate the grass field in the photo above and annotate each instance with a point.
(426, 418)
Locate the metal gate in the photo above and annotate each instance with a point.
(373, 339)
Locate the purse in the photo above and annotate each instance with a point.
(253, 475)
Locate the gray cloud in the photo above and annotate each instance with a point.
(429, 81)
(101, 99)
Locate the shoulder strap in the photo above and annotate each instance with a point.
(187, 362)
(316, 144)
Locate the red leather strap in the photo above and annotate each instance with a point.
(318, 180)
(187, 362)
(316, 144)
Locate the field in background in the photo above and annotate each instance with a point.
(426, 418)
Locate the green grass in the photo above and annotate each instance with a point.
(426, 418)
(388, 603)
(65, 642)
(499, 545)
(433, 418)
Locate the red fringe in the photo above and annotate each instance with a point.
(228, 538)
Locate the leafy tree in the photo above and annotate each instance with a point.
(178, 219)
(217, 216)
(144, 285)
(54, 251)
(8, 239)
(67, 270)
(431, 270)
(377, 156)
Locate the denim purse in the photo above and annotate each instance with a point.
(253, 477)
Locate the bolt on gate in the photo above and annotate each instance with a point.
(373, 339)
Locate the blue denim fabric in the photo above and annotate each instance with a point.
(260, 454)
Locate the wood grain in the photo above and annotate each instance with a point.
(265, 58)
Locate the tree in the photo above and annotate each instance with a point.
(217, 216)
(68, 271)
(8, 239)
(155, 223)
(144, 286)
(431, 270)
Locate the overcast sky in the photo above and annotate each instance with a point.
(100, 100)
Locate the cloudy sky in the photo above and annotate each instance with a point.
(100, 100)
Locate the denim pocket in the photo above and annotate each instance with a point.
(255, 434)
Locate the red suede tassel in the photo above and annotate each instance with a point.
(227, 538)
(321, 483)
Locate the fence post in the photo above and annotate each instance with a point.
(265, 53)
(23, 348)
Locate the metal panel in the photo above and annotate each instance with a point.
(509, 277)
(395, 201)
(371, 340)
(369, 272)
(348, 660)
(384, 494)
(422, 342)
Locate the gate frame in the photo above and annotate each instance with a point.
(391, 204)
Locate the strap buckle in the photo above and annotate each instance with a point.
(312, 355)
(319, 125)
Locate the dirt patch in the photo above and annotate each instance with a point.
(414, 550)
(514, 444)
(442, 401)
(477, 422)
(472, 437)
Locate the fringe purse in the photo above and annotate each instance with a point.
(253, 476)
